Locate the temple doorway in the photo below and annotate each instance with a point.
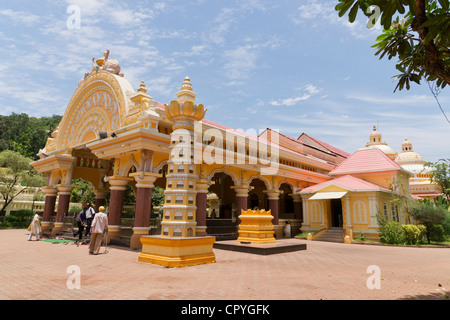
(336, 213)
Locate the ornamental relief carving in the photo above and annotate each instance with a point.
(98, 111)
(100, 90)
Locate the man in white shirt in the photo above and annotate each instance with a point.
(99, 224)
(90, 212)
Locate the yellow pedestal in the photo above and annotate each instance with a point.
(256, 227)
(177, 252)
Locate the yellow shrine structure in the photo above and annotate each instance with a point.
(112, 135)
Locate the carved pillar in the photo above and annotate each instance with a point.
(118, 186)
(298, 212)
(241, 199)
(144, 185)
(64, 192)
(273, 197)
(49, 207)
(305, 206)
(201, 199)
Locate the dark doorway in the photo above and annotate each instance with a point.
(336, 213)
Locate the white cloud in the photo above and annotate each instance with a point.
(308, 91)
(320, 14)
(20, 17)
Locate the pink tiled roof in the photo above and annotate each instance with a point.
(347, 182)
(369, 160)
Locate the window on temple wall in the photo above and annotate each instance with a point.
(191, 200)
(315, 211)
(166, 231)
(168, 199)
(169, 184)
(191, 169)
(181, 169)
(179, 200)
(177, 232)
(190, 232)
(191, 185)
(385, 209)
(180, 184)
(359, 212)
(394, 210)
(190, 216)
(178, 216)
(167, 215)
(171, 169)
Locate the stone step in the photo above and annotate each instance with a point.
(332, 235)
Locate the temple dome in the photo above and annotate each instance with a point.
(375, 141)
(410, 160)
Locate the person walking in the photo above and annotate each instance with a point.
(35, 227)
(99, 224)
(90, 212)
(81, 222)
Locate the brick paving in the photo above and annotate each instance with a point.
(32, 270)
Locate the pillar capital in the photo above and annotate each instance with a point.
(65, 189)
(119, 183)
(145, 179)
(297, 197)
(241, 191)
(100, 194)
(50, 191)
(272, 194)
(202, 186)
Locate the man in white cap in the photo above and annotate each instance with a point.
(99, 224)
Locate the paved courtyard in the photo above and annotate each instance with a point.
(330, 271)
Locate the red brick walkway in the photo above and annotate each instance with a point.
(38, 270)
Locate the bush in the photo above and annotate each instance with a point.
(392, 233)
(414, 234)
(437, 233)
(17, 220)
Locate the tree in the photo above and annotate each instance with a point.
(26, 135)
(15, 170)
(441, 175)
(420, 38)
(428, 214)
(83, 192)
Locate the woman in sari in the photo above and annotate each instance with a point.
(35, 227)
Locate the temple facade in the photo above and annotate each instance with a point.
(112, 135)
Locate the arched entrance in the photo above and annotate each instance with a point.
(286, 203)
(224, 225)
(257, 198)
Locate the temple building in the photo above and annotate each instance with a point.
(420, 182)
(114, 136)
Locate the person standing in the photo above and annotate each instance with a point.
(99, 224)
(35, 227)
(90, 212)
(81, 222)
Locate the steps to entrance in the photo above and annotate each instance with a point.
(222, 229)
(332, 235)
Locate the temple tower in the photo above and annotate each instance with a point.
(178, 245)
(179, 218)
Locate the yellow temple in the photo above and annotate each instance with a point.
(112, 135)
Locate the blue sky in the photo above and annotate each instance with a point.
(289, 65)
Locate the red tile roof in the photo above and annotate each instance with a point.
(328, 146)
(369, 160)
